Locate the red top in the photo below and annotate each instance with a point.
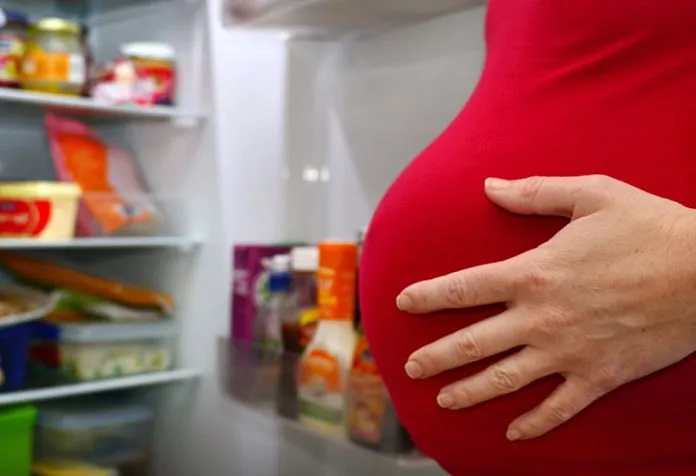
(570, 87)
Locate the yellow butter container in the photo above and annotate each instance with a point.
(69, 469)
(38, 210)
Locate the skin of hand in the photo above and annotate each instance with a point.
(609, 299)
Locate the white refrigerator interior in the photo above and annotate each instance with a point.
(317, 116)
(292, 119)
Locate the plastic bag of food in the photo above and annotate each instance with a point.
(45, 273)
(114, 198)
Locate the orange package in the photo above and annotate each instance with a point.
(114, 200)
(336, 279)
(45, 273)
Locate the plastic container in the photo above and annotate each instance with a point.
(325, 364)
(93, 431)
(16, 431)
(268, 323)
(84, 352)
(13, 36)
(56, 468)
(39, 210)
(14, 347)
(299, 326)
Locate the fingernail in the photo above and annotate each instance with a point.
(413, 369)
(445, 400)
(514, 434)
(496, 184)
(403, 302)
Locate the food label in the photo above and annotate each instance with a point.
(24, 217)
(321, 387)
(366, 398)
(11, 52)
(54, 67)
(336, 293)
(308, 322)
(158, 79)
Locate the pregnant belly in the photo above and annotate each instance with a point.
(435, 219)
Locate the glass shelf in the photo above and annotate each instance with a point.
(251, 380)
(80, 10)
(336, 17)
(17, 102)
(98, 386)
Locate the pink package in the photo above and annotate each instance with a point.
(122, 196)
(249, 286)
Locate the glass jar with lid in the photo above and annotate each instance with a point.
(55, 58)
(13, 30)
(155, 70)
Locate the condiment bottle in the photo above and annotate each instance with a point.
(299, 325)
(271, 315)
(327, 360)
(371, 418)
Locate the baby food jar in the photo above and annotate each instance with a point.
(13, 35)
(155, 69)
(54, 61)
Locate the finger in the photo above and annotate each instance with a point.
(558, 196)
(507, 376)
(564, 403)
(478, 286)
(478, 341)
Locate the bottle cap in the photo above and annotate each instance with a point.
(305, 258)
(279, 281)
(277, 263)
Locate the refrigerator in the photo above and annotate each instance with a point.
(320, 105)
(292, 118)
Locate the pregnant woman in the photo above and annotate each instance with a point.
(568, 88)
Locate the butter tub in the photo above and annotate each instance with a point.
(38, 210)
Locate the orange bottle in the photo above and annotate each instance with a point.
(326, 363)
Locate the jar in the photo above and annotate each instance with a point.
(13, 35)
(54, 61)
(155, 69)
(89, 59)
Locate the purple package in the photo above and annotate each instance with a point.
(249, 286)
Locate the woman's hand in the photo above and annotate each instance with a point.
(610, 299)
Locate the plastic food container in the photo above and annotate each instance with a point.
(18, 306)
(14, 345)
(93, 351)
(40, 210)
(95, 432)
(16, 430)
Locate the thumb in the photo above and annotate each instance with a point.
(557, 196)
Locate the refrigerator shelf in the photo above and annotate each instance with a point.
(250, 380)
(100, 386)
(18, 101)
(180, 243)
(86, 11)
(337, 17)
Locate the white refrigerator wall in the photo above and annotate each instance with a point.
(390, 96)
(310, 134)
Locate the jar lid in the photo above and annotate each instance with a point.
(305, 258)
(57, 25)
(8, 16)
(157, 51)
